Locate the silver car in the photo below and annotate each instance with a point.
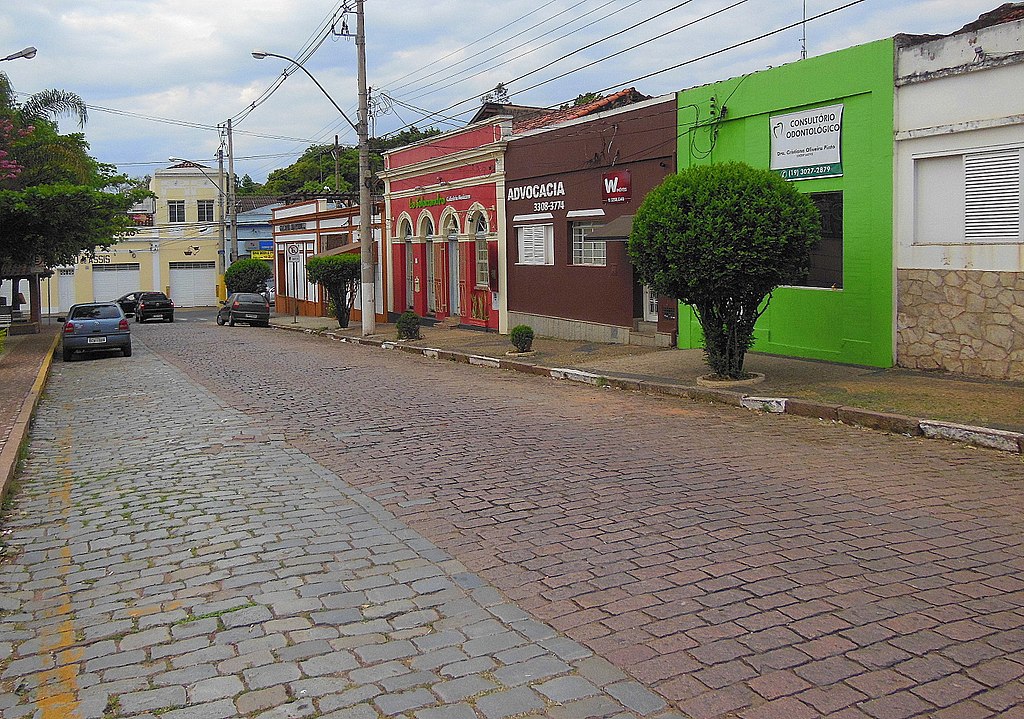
(95, 327)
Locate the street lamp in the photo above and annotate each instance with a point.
(220, 200)
(368, 280)
(28, 53)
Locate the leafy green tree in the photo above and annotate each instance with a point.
(313, 172)
(248, 275)
(339, 276)
(721, 238)
(55, 199)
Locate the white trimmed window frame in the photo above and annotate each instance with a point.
(536, 244)
(176, 211)
(587, 253)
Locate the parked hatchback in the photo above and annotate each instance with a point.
(95, 327)
(246, 307)
(154, 306)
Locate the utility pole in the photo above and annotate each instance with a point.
(368, 279)
(221, 235)
(232, 208)
(337, 165)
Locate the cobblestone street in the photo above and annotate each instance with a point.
(240, 521)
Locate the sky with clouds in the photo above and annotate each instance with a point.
(159, 76)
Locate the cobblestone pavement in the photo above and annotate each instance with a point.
(172, 558)
(733, 563)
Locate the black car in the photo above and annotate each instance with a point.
(154, 305)
(247, 307)
(129, 302)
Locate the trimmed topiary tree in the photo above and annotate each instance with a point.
(721, 238)
(338, 275)
(522, 337)
(247, 275)
(408, 325)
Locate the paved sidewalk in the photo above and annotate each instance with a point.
(23, 367)
(826, 385)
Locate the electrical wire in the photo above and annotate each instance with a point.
(467, 46)
(425, 89)
(705, 56)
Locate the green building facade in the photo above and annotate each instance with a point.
(826, 123)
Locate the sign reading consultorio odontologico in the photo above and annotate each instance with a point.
(806, 144)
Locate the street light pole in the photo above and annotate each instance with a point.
(368, 274)
(368, 286)
(28, 53)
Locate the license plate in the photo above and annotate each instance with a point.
(250, 317)
(157, 316)
(96, 340)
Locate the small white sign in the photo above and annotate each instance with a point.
(806, 144)
(293, 253)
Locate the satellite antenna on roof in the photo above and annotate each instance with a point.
(803, 37)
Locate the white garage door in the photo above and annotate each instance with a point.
(111, 281)
(194, 284)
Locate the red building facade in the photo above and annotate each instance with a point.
(445, 210)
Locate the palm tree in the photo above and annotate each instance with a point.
(47, 104)
(32, 152)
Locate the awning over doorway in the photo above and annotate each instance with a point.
(617, 229)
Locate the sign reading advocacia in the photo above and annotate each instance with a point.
(806, 145)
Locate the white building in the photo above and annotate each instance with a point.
(960, 249)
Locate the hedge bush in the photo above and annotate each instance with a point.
(522, 337)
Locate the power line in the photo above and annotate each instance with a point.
(776, 31)
(469, 45)
(491, 47)
(632, 47)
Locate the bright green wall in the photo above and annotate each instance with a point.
(854, 324)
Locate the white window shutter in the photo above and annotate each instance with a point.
(992, 196)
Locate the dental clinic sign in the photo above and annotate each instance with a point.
(805, 145)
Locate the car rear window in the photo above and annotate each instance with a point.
(250, 297)
(96, 312)
(153, 296)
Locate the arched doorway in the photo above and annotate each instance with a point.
(405, 233)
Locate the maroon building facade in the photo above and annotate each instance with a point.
(564, 183)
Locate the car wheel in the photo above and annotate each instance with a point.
(138, 318)
(171, 318)
(231, 319)
(220, 320)
(127, 351)
(67, 355)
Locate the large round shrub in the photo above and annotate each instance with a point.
(247, 275)
(339, 276)
(721, 238)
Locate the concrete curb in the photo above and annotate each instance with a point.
(23, 422)
(1001, 440)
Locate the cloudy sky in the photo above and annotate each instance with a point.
(159, 76)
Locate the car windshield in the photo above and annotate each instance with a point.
(249, 297)
(96, 312)
(153, 296)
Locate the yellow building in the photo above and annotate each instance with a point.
(177, 249)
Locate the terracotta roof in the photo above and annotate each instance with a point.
(1007, 12)
(189, 165)
(553, 117)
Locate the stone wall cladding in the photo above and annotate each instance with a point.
(966, 321)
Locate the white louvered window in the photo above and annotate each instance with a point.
(992, 196)
(535, 244)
